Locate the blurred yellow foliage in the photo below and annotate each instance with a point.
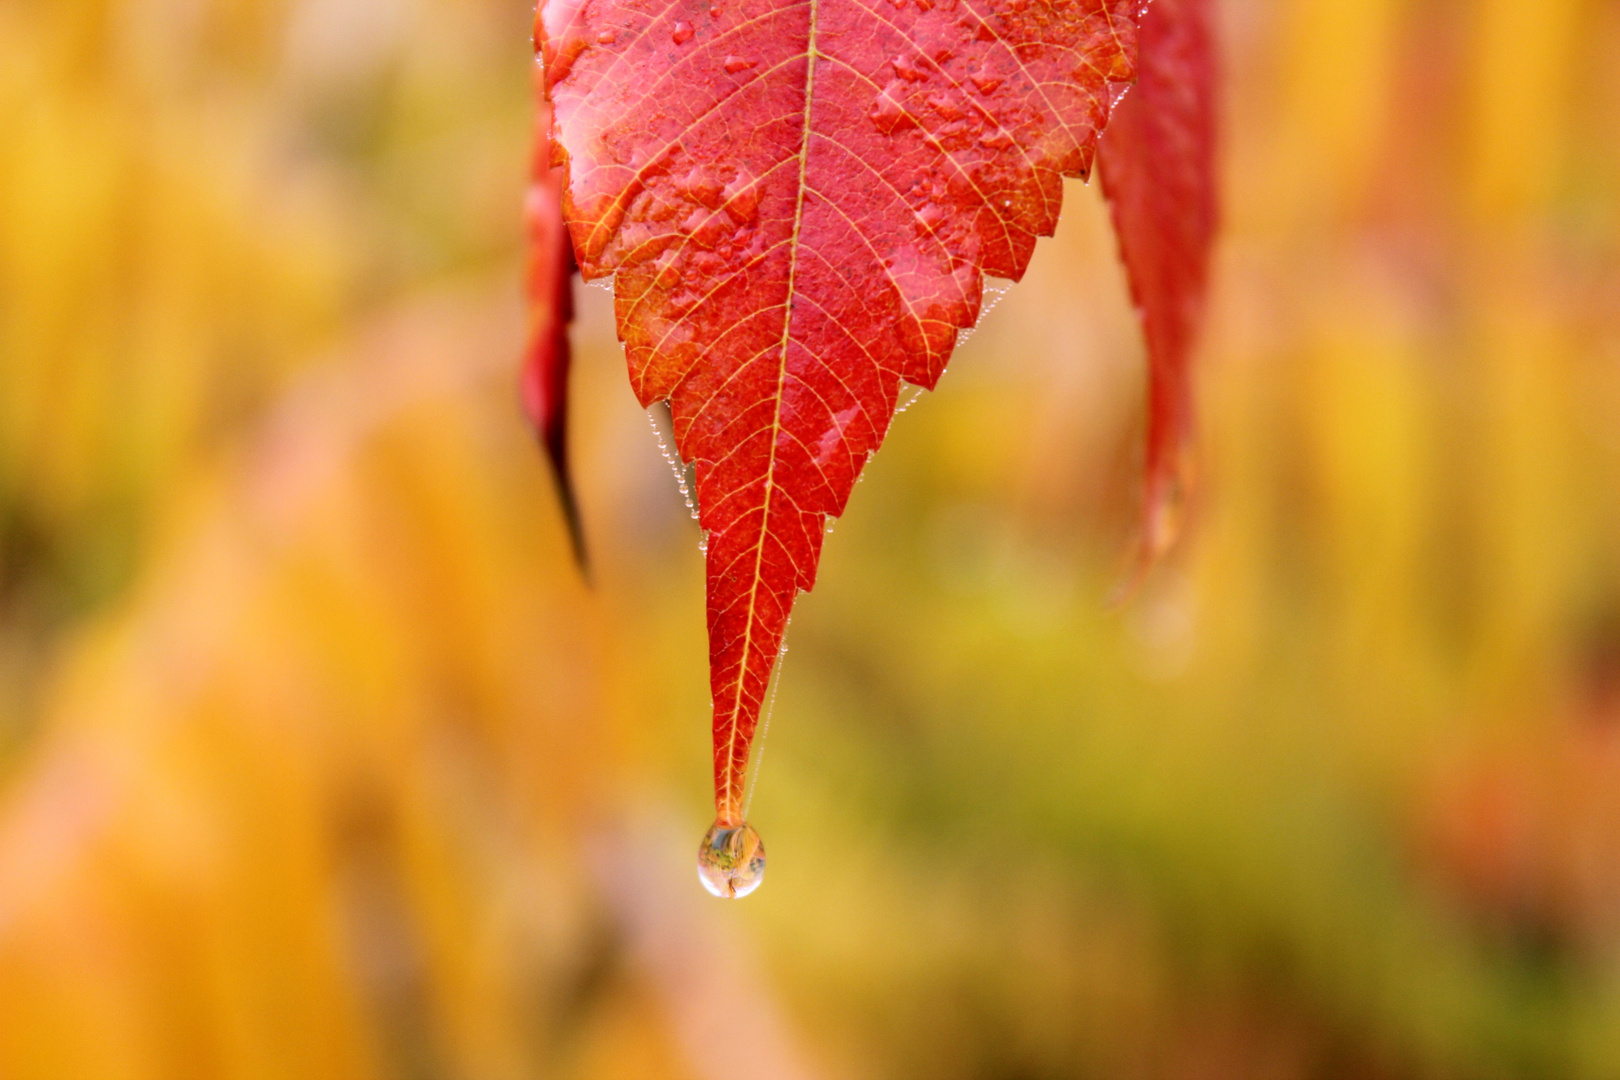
(317, 760)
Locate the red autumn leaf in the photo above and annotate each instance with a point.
(799, 200)
(1157, 163)
(549, 284)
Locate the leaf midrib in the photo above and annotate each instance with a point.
(731, 799)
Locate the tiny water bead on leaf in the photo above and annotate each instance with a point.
(731, 860)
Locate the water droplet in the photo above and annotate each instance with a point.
(887, 111)
(744, 205)
(932, 215)
(735, 64)
(682, 33)
(995, 140)
(607, 37)
(907, 69)
(568, 50)
(731, 860)
(986, 84)
(703, 187)
(945, 106)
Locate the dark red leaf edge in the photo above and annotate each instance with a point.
(547, 357)
(1157, 161)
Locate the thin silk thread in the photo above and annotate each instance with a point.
(765, 728)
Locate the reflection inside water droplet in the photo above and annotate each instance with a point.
(731, 860)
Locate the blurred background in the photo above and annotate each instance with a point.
(318, 760)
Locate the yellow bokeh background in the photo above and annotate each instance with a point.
(317, 759)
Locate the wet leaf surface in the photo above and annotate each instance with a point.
(798, 203)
